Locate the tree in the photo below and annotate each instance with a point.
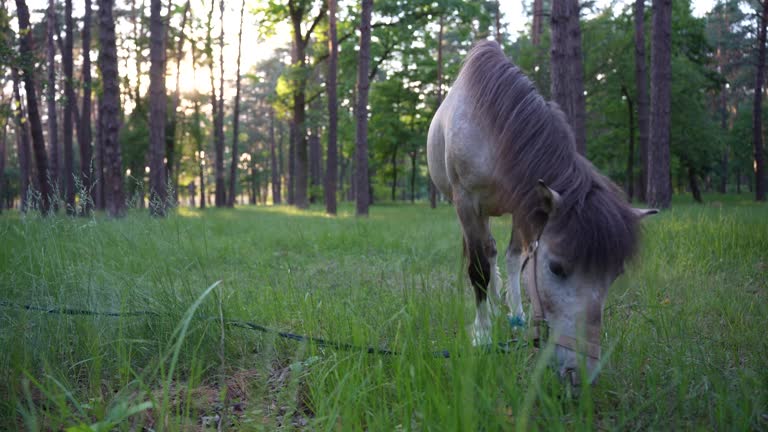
(567, 69)
(332, 168)
(53, 129)
(659, 193)
(22, 141)
(26, 51)
(221, 191)
(641, 80)
(361, 112)
(84, 139)
(236, 117)
(297, 11)
(757, 110)
(170, 150)
(109, 112)
(69, 108)
(157, 111)
(276, 198)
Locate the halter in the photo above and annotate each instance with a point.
(540, 329)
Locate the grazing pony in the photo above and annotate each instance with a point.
(496, 147)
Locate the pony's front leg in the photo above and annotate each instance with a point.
(516, 315)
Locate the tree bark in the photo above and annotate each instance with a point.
(275, 170)
(292, 162)
(69, 108)
(3, 183)
(537, 27)
(157, 111)
(221, 191)
(22, 142)
(567, 70)
(641, 80)
(694, 185)
(84, 138)
(26, 51)
(498, 23)
(100, 200)
(315, 156)
(53, 129)
(297, 11)
(432, 187)
(361, 143)
(332, 167)
(631, 150)
(659, 193)
(109, 112)
(171, 143)
(236, 117)
(757, 111)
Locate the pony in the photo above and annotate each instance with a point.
(496, 147)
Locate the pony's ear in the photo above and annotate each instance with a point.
(642, 213)
(550, 199)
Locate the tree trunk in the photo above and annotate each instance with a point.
(631, 151)
(567, 70)
(84, 138)
(757, 111)
(221, 191)
(281, 157)
(361, 143)
(170, 150)
(332, 167)
(276, 198)
(299, 176)
(659, 193)
(432, 187)
(291, 163)
(236, 117)
(26, 51)
(109, 112)
(69, 108)
(394, 174)
(498, 22)
(100, 201)
(537, 28)
(641, 80)
(53, 129)
(314, 164)
(157, 111)
(214, 98)
(693, 184)
(22, 142)
(3, 183)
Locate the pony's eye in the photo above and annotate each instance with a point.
(557, 269)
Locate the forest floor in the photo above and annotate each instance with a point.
(684, 327)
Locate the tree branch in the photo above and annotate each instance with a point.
(318, 18)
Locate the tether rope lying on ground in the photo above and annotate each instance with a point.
(500, 348)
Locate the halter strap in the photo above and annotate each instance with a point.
(540, 328)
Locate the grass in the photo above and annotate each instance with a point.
(686, 326)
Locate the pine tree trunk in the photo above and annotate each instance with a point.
(171, 143)
(314, 164)
(100, 201)
(498, 22)
(299, 176)
(22, 142)
(694, 185)
(157, 111)
(53, 129)
(236, 118)
(537, 28)
(567, 70)
(641, 80)
(361, 143)
(109, 112)
(432, 187)
(69, 108)
(291, 163)
(757, 111)
(332, 167)
(84, 138)
(659, 193)
(26, 51)
(221, 187)
(276, 198)
(3, 183)
(631, 150)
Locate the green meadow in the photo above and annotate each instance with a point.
(685, 328)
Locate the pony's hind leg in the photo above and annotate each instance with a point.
(514, 262)
(480, 251)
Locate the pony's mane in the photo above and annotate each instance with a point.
(593, 224)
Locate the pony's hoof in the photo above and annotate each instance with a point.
(481, 339)
(516, 321)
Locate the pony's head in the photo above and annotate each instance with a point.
(576, 250)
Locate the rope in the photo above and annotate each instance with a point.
(500, 348)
